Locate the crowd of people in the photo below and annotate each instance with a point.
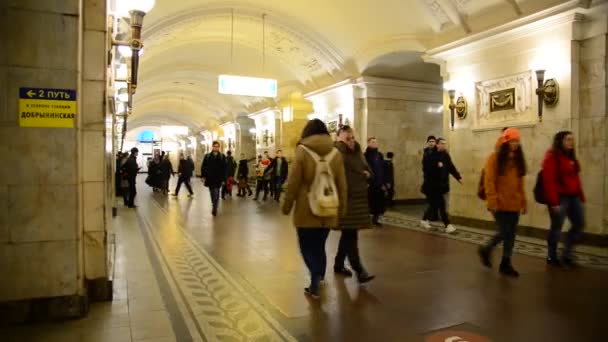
(336, 185)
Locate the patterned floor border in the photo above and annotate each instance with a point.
(221, 308)
(527, 247)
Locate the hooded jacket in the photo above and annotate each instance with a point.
(357, 207)
(301, 177)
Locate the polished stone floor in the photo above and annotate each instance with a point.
(183, 275)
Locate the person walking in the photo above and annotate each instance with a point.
(505, 197)
(130, 169)
(377, 188)
(124, 179)
(213, 172)
(243, 177)
(564, 196)
(313, 230)
(185, 169)
(356, 216)
(430, 148)
(262, 177)
(278, 170)
(389, 178)
(166, 171)
(438, 168)
(230, 171)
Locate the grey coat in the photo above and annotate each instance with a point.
(357, 207)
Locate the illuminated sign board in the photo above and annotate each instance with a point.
(247, 86)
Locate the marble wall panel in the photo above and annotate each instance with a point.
(592, 73)
(593, 185)
(3, 96)
(42, 212)
(594, 218)
(592, 132)
(93, 105)
(3, 33)
(46, 43)
(592, 48)
(54, 6)
(95, 257)
(94, 55)
(592, 102)
(37, 270)
(39, 156)
(94, 15)
(93, 206)
(93, 163)
(401, 127)
(4, 213)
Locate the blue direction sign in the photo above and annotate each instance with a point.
(44, 107)
(47, 94)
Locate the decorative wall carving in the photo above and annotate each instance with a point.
(505, 101)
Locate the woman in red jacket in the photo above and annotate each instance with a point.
(564, 196)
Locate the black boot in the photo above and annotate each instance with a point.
(484, 255)
(507, 269)
(343, 271)
(554, 262)
(365, 277)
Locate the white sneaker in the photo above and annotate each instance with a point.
(450, 229)
(425, 224)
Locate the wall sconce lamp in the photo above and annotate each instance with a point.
(451, 94)
(547, 91)
(137, 11)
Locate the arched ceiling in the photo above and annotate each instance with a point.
(305, 45)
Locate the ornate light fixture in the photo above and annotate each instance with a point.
(461, 107)
(451, 94)
(547, 91)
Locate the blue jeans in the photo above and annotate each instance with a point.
(312, 247)
(278, 183)
(506, 222)
(571, 207)
(214, 191)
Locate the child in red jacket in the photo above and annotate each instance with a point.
(564, 194)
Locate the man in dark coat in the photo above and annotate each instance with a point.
(437, 169)
(230, 171)
(377, 187)
(357, 211)
(431, 143)
(243, 176)
(389, 175)
(213, 171)
(185, 169)
(130, 169)
(278, 170)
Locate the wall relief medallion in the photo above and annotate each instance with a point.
(502, 100)
(505, 101)
(461, 107)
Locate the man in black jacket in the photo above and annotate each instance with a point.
(389, 178)
(437, 169)
(213, 172)
(377, 183)
(130, 168)
(185, 170)
(278, 170)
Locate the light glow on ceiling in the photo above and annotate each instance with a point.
(247, 86)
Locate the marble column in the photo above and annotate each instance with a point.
(291, 129)
(53, 200)
(245, 143)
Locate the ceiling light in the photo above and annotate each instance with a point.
(247, 86)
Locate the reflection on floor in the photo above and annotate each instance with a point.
(183, 275)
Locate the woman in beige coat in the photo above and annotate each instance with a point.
(313, 230)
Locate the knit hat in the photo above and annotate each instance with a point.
(508, 135)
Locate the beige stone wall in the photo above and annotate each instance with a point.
(591, 125)
(578, 64)
(401, 127)
(52, 203)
